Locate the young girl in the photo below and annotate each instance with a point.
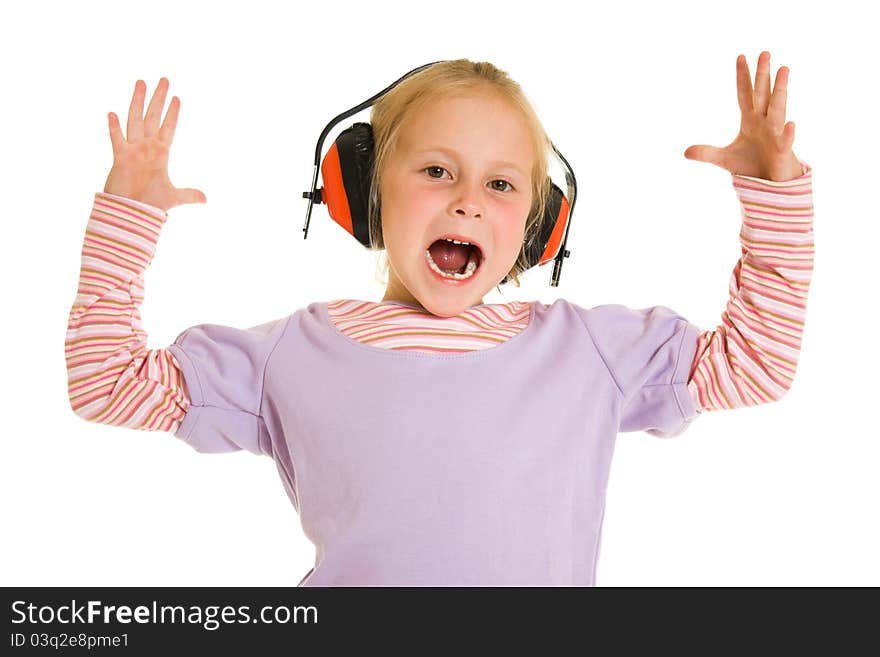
(430, 438)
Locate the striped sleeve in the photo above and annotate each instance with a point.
(112, 377)
(752, 356)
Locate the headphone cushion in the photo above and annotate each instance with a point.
(355, 146)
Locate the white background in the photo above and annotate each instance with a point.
(782, 494)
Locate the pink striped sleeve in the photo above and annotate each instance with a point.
(112, 377)
(752, 356)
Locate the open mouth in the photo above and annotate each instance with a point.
(453, 258)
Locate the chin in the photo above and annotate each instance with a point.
(448, 307)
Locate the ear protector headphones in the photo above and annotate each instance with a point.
(347, 172)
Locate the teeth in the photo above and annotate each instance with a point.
(468, 272)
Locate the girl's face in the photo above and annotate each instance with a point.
(462, 166)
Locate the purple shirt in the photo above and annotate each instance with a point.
(485, 468)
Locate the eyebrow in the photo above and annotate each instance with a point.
(453, 153)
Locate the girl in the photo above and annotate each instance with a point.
(430, 438)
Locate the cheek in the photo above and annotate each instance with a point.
(400, 232)
(419, 208)
(405, 220)
(512, 245)
(514, 233)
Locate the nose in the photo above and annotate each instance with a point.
(470, 208)
(469, 202)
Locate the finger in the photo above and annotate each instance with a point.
(788, 136)
(762, 83)
(166, 132)
(776, 111)
(116, 137)
(744, 85)
(135, 129)
(189, 195)
(704, 153)
(154, 111)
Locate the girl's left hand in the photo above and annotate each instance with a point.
(762, 149)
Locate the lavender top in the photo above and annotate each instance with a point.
(485, 468)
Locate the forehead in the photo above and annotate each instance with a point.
(481, 127)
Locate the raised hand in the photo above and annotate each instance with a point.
(140, 161)
(762, 149)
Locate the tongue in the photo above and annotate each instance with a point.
(448, 256)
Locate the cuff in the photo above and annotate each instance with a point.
(157, 212)
(806, 175)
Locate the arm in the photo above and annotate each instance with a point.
(752, 356)
(112, 377)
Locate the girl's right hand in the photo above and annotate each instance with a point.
(140, 161)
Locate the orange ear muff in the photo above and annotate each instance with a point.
(550, 237)
(544, 243)
(347, 170)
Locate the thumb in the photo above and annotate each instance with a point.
(189, 195)
(704, 153)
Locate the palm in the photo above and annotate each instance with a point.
(140, 161)
(762, 148)
(142, 167)
(149, 153)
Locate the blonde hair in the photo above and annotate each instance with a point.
(449, 78)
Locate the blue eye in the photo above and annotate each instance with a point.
(509, 186)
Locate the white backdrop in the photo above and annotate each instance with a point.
(782, 494)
